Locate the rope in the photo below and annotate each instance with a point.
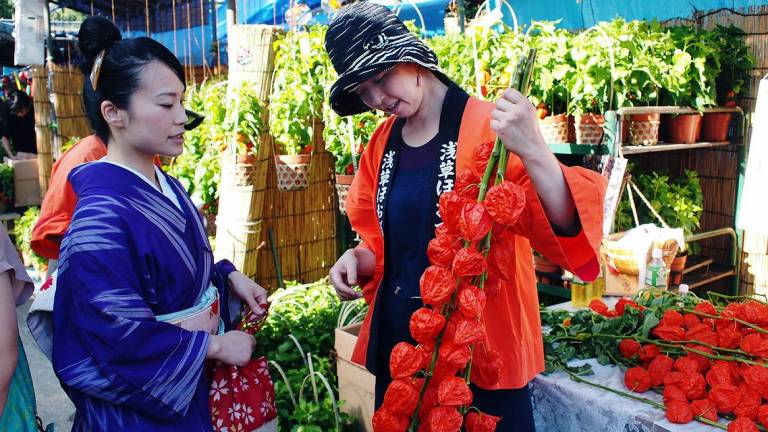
(648, 204)
(91, 7)
(188, 61)
(146, 14)
(175, 46)
(632, 205)
(113, 10)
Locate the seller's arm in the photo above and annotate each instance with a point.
(7, 148)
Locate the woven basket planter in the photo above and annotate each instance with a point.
(292, 172)
(589, 129)
(343, 182)
(554, 128)
(644, 129)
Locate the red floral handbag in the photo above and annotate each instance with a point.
(242, 398)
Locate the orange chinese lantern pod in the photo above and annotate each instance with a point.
(749, 406)
(483, 155)
(679, 412)
(426, 324)
(385, 421)
(637, 379)
(450, 205)
(742, 424)
(474, 221)
(501, 258)
(725, 397)
(493, 285)
(673, 318)
(669, 333)
(471, 301)
(444, 419)
(468, 185)
(480, 422)
(468, 262)
(659, 367)
(428, 402)
(756, 377)
(673, 392)
(453, 356)
(453, 391)
(720, 373)
(695, 385)
(442, 249)
(628, 348)
(436, 285)
(401, 397)
(405, 360)
(704, 408)
(468, 332)
(505, 203)
(486, 367)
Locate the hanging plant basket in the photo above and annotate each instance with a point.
(644, 129)
(343, 182)
(554, 128)
(589, 128)
(292, 172)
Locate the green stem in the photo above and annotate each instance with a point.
(736, 297)
(637, 398)
(740, 321)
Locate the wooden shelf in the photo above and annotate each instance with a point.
(714, 273)
(628, 150)
(674, 110)
(578, 149)
(695, 263)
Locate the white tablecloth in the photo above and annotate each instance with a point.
(561, 404)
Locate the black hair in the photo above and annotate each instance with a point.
(120, 71)
(17, 101)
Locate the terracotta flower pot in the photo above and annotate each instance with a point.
(589, 128)
(714, 127)
(676, 270)
(343, 182)
(292, 172)
(644, 129)
(554, 128)
(682, 128)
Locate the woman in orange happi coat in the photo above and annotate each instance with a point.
(428, 142)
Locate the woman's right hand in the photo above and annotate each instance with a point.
(233, 347)
(344, 275)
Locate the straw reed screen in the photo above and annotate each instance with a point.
(252, 57)
(43, 131)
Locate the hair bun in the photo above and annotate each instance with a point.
(96, 34)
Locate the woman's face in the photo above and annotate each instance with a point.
(395, 91)
(156, 115)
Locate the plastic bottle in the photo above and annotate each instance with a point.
(656, 271)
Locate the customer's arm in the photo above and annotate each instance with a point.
(9, 348)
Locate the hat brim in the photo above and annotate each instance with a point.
(347, 102)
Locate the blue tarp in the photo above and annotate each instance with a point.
(571, 13)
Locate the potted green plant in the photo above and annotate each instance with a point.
(731, 82)
(6, 187)
(689, 81)
(590, 85)
(549, 89)
(22, 232)
(303, 73)
(345, 138)
(638, 72)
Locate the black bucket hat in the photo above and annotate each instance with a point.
(365, 39)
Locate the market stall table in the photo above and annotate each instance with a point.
(562, 404)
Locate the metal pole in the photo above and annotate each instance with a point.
(215, 35)
(461, 12)
(231, 15)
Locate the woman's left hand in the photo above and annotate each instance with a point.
(515, 123)
(251, 292)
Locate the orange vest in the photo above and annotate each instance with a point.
(60, 199)
(512, 321)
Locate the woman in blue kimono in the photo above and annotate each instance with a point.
(136, 249)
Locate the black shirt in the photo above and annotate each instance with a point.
(20, 131)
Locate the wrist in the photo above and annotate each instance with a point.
(214, 347)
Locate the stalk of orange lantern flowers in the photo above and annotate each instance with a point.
(470, 259)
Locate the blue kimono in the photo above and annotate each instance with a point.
(130, 255)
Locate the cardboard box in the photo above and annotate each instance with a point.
(357, 386)
(26, 188)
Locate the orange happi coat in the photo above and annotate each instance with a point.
(512, 321)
